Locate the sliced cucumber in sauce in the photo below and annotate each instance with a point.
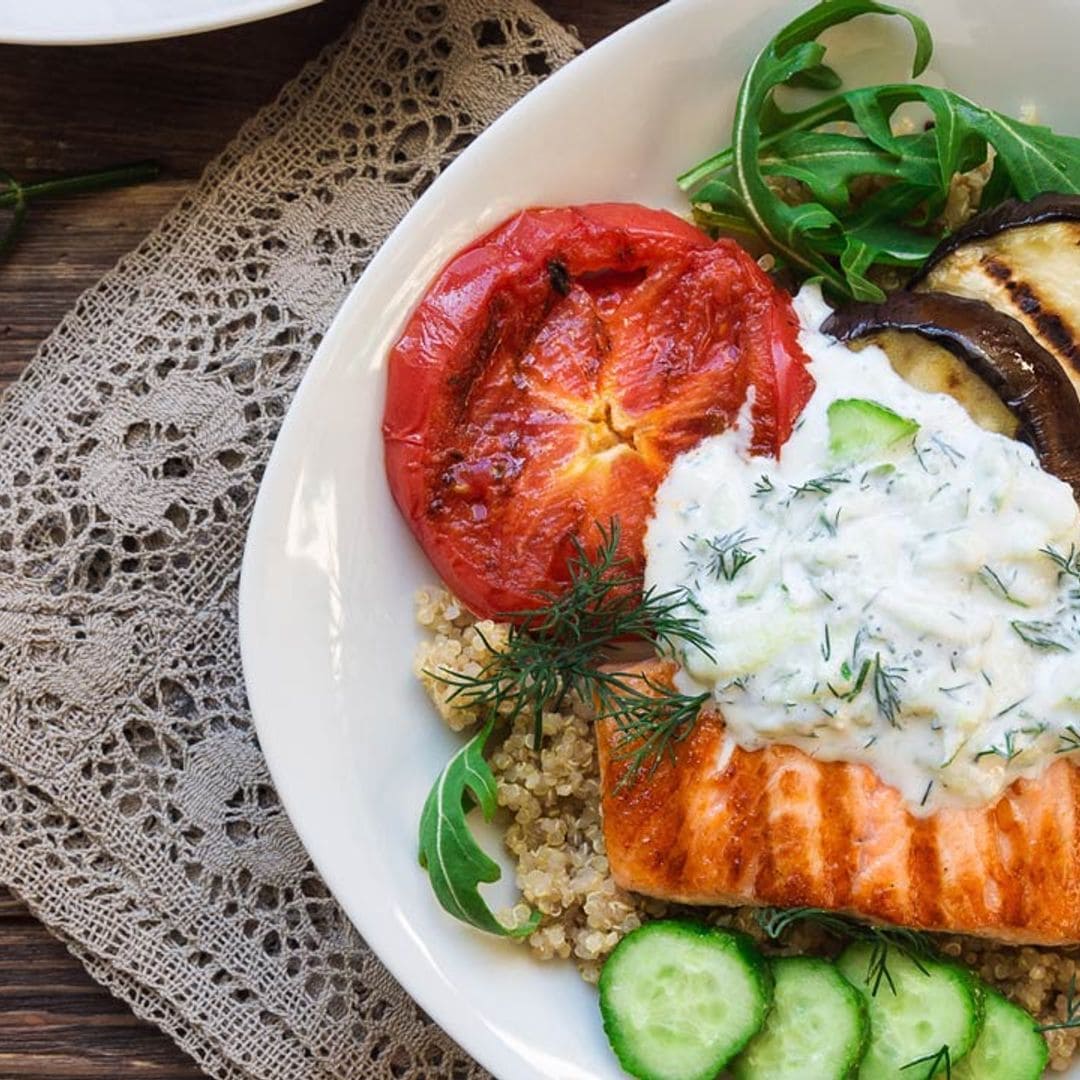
(817, 1028)
(859, 428)
(921, 1008)
(1009, 1047)
(679, 999)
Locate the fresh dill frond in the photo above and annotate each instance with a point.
(830, 525)
(860, 681)
(1007, 752)
(1009, 708)
(886, 692)
(1067, 564)
(1072, 1011)
(913, 944)
(993, 582)
(1039, 634)
(763, 486)
(558, 648)
(954, 689)
(1070, 740)
(726, 554)
(819, 485)
(933, 1062)
(650, 722)
(952, 455)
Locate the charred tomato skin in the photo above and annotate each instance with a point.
(551, 373)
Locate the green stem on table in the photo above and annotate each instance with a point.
(16, 197)
(17, 194)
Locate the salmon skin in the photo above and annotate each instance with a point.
(715, 824)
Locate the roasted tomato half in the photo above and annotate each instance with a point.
(553, 371)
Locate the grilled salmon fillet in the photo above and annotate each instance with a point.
(721, 825)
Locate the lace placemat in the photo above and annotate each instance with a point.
(137, 817)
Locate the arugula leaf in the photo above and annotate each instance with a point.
(455, 862)
(833, 235)
(828, 163)
(790, 230)
(828, 13)
(778, 223)
(1034, 158)
(817, 78)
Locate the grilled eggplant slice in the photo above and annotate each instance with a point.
(1029, 381)
(930, 367)
(1024, 260)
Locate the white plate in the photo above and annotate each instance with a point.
(330, 569)
(98, 22)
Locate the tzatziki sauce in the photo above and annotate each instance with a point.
(915, 606)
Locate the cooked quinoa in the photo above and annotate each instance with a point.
(552, 802)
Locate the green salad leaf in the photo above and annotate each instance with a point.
(840, 232)
(455, 862)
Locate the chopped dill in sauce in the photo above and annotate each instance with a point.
(913, 604)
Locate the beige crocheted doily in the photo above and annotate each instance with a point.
(136, 814)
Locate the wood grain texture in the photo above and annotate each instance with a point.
(67, 110)
(56, 1022)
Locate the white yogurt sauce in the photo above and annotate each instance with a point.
(917, 609)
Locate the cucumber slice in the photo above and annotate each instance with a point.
(1009, 1047)
(679, 999)
(915, 1015)
(860, 428)
(817, 1028)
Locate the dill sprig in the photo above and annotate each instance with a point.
(1067, 564)
(992, 580)
(846, 672)
(650, 722)
(1007, 752)
(1072, 1011)
(910, 943)
(819, 485)
(886, 692)
(952, 455)
(1038, 634)
(559, 648)
(1070, 740)
(933, 1061)
(727, 554)
(1068, 567)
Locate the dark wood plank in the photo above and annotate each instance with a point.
(72, 109)
(56, 1023)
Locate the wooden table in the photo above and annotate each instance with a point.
(65, 110)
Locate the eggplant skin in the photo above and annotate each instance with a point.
(1026, 377)
(931, 368)
(1011, 214)
(1024, 260)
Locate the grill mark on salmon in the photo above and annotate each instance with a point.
(716, 825)
(924, 871)
(837, 850)
(1008, 844)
